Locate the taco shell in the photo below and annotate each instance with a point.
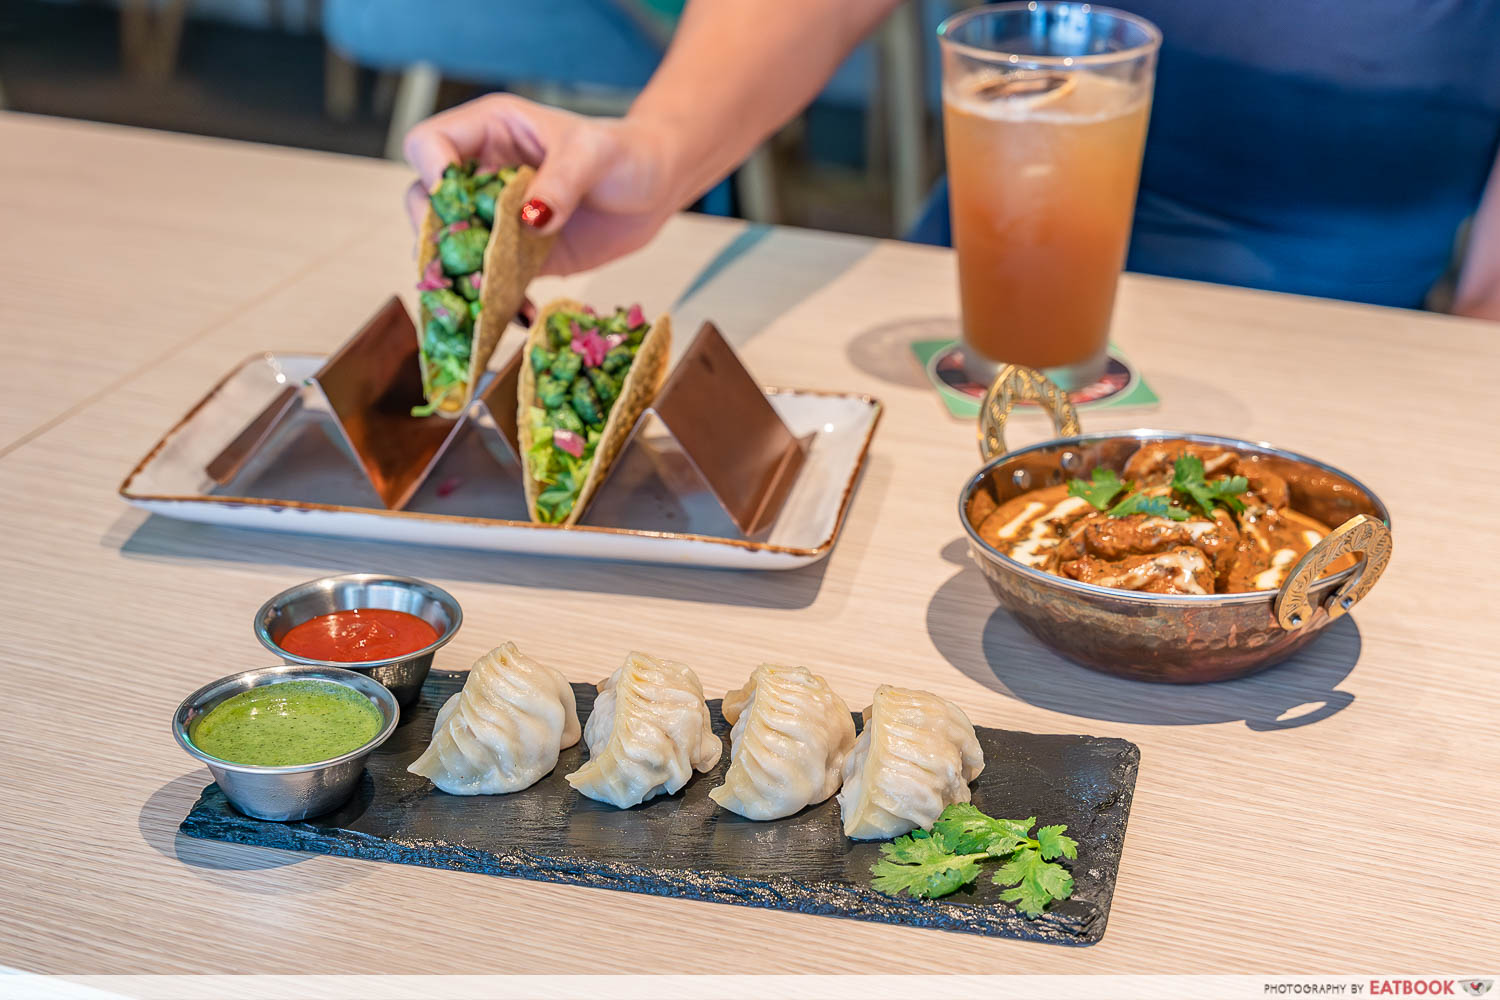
(512, 258)
(647, 373)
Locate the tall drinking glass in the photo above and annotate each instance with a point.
(1044, 114)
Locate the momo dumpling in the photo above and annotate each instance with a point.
(791, 734)
(503, 731)
(916, 756)
(649, 731)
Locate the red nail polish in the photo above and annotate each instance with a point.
(536, 213)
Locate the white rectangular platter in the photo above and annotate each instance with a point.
(650, 511)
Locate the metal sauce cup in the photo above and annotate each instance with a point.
(295, 791)
(402, 674)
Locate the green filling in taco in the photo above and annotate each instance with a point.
(464, 202)
(579, 372)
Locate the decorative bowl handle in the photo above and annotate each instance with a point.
(1363, 534)
(1016, 384)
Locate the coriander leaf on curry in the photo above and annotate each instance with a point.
(1139, 503)
(1189, 480)
(1188, 484)
(1103, 487)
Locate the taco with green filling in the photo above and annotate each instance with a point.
(474, 260)
(585, 381)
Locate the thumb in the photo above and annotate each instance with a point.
(568, 172)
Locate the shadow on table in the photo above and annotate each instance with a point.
(762, 274)
(990, 646)
(164, 539)
(230, 865)
(1214, 409)
(884, 351)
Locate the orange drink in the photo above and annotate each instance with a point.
(1044, 116)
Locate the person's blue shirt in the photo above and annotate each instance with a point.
(1322, 148)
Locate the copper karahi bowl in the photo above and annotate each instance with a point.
(1157, 637)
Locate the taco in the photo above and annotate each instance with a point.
(475, 262)
(586, 380)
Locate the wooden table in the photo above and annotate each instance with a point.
(1333, 815)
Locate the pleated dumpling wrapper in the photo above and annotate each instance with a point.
(786, 751)
(916, 756)
(649, 731)
(504, 730)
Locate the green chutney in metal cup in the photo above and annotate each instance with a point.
(287, 723)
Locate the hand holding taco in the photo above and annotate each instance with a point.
(475, 261)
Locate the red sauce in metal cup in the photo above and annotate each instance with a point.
(359, 635)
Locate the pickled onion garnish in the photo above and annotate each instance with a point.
(433, 278)
(613, 340)
(590, 346)
(568, 442)
(635, 317)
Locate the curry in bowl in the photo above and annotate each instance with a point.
(1180, 517)
(1164, 556)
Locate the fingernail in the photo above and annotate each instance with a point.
(536, 213)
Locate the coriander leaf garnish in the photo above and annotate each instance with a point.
(932, 864)
(1034, 881)
(1105, 486)
(1139, 503)
(1189, 480)
(964, 828)
(1052, 843)
(921, 864)
(1226, 491)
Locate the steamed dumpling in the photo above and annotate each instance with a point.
(916, 756)
(503, 731)
(650, 730)
(791, 734)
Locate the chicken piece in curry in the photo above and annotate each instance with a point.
(1179, 518)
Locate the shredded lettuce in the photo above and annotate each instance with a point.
(447, 357)
(580, 370)
(560, 474)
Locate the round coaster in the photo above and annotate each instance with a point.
(947, 370)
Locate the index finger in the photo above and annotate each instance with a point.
(477, 130)
(430, 148)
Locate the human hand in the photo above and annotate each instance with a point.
(604, 184)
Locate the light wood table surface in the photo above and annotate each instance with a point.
(1335, 814)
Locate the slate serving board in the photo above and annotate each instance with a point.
(686, 846)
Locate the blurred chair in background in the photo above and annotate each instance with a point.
(150, 34)
(590, 56)
(593, 56)
(597, 54)
(151, 30)
(901, 81)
